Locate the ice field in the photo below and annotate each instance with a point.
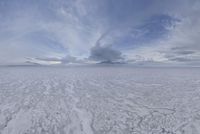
(99, 100)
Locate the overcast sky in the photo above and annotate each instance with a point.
(92, 31)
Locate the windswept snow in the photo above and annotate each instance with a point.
(99, 100)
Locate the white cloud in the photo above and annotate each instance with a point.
(76, 26)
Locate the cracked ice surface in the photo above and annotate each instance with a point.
(99, 100)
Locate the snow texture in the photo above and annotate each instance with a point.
(99, 100)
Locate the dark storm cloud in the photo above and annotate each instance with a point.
(105, 54)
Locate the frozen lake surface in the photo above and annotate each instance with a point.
(99, 100)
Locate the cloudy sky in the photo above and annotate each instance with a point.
(93, 31)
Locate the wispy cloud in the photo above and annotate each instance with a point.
(107, 30)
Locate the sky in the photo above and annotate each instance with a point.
(100, 31)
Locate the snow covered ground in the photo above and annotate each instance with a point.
(99, 100)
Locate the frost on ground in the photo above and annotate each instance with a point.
(99, 100)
